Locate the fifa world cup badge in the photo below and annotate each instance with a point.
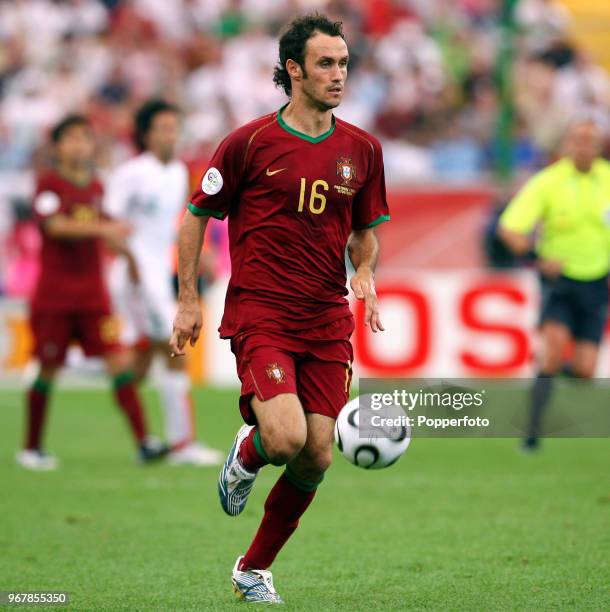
(276, 373)
(212, 181)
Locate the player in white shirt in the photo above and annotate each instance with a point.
(148, 192)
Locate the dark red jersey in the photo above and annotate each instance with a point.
(71, 271)
(292, 201)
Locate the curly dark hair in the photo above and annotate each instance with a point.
(145, 116)
(294, 39)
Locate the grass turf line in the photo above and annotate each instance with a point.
(454, 525)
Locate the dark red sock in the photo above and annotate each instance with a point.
(251, 453)
(127, 398)
(284, 507)
(38, 399)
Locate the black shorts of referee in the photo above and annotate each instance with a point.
(582, 306)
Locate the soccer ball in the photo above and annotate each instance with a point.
(376, 444)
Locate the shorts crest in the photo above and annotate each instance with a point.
(276, 373)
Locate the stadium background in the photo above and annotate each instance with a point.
(469, 97)
(467, 103)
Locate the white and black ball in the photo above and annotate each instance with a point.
(378, 441)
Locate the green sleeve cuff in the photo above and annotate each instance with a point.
(205, 212)
(378, 221)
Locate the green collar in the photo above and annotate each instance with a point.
(290, 130)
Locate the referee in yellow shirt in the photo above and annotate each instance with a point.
(568, 205)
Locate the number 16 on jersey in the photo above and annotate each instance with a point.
(317, 201)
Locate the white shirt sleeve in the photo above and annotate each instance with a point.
(117, 194)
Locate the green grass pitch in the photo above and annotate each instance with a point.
(454, 525)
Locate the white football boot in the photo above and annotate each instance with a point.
(36, 460)
(235, 481)
(254, 586)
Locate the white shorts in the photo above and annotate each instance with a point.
(146, 310)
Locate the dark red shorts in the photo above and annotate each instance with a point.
(96, 332)
(316, 365)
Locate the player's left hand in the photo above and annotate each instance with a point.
(187, 327)
(363, 286)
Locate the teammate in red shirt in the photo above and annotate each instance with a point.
(297, 186)
(70, 302)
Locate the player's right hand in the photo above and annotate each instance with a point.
(187, 326)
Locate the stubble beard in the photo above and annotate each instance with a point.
(322, 105)
(318, 103)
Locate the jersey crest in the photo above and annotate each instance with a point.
(345, 169)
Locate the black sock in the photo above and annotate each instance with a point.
(539, 399)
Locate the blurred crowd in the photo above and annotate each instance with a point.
(421, 73)
(423, 77)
